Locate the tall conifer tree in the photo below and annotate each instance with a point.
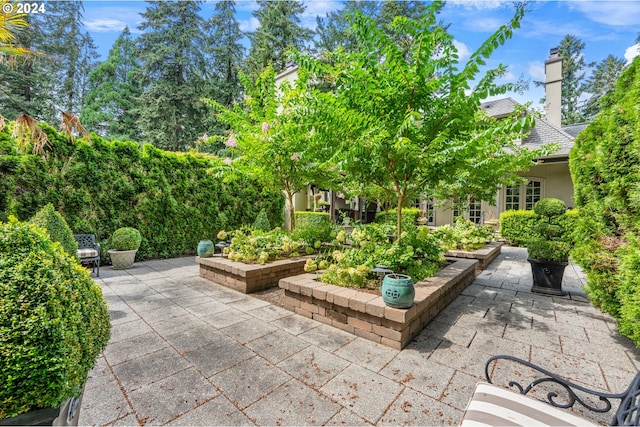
(279, 32)
(174, 73)
(114, 89)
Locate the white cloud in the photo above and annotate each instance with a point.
(632, 52)
(463, 51)
(615, 13)
(105, 25)
(249, 25)
(536, 70)
(479, 4)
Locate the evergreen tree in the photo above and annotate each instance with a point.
(602, 82)
(22, 76)
(333, 30)
(279, 32)
(64, 44)
(114, 88)
(174, 73)
(573, 75)
(227, 53)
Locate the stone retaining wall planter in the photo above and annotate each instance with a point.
(485, 255)
(366, 315)
(249, 278)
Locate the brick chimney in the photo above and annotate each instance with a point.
(553, 88)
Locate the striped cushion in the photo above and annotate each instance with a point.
(87, 253)
(494, 406)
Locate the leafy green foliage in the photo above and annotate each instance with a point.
(604, 167)
(549, 208)
(516, 227)
(464, 235)
(305, 219)
(417, 254)
(262, 222)
(174, 199)
(405, 119)
(314, 234)
(53, 323)
(542, 249)
(125, 239)
(57, 228)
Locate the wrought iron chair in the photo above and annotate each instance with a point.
(89, 251)
(495, 405)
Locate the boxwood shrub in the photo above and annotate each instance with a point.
(517, 226)
(56, 227)
(53, 322)
(173, 199)
(305, 219)
(125, 239)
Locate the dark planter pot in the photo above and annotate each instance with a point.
(547, 276)
(66, 415)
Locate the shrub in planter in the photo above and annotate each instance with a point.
(124, 244)
(57, 228)
(53, 322)
(125, 239)
(465, 235)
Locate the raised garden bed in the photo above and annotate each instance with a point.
(484, 255)
(249, 278)
(366, 315)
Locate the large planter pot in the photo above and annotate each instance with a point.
(121, 260)
(66, 415)
(205, 248)
(547, 276)
(398, 291)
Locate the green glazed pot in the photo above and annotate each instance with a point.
(398, 291)
(205, 248)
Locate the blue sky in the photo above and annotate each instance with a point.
(606, 27)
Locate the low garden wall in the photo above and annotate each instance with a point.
(249, 278)
(484, 255)
(366, 315)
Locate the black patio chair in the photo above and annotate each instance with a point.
(89, 251)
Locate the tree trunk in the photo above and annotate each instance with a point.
(291, 211)
(399, 218)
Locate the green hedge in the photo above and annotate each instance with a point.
(305, 219)
(56, 227)
(516, 227)
(604, 168)
(173, 199)
(409, 216)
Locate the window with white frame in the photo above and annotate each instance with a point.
(523, 196)
(475, 211)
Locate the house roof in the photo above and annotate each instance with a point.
(542, 134)
(574, 130)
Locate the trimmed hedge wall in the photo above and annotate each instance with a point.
(305, 219)
(173, 199)
(516, 227)
(604, 165)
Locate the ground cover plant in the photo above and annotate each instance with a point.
(604, 168)
(174, 199)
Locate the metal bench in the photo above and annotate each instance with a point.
(88, 251)
(494, 405)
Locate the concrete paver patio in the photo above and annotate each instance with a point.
(185, 351)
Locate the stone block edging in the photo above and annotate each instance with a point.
(366, 315)
(484, 255)
(249, 278)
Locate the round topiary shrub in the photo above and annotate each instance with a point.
(57, 228)
(53, 321)
(550, 207)
(125, 239)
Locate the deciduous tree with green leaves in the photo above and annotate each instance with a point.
(409, 121)
(268, 137)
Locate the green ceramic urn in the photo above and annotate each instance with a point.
(398, 291)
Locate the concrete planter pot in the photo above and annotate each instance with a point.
(121, 260)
